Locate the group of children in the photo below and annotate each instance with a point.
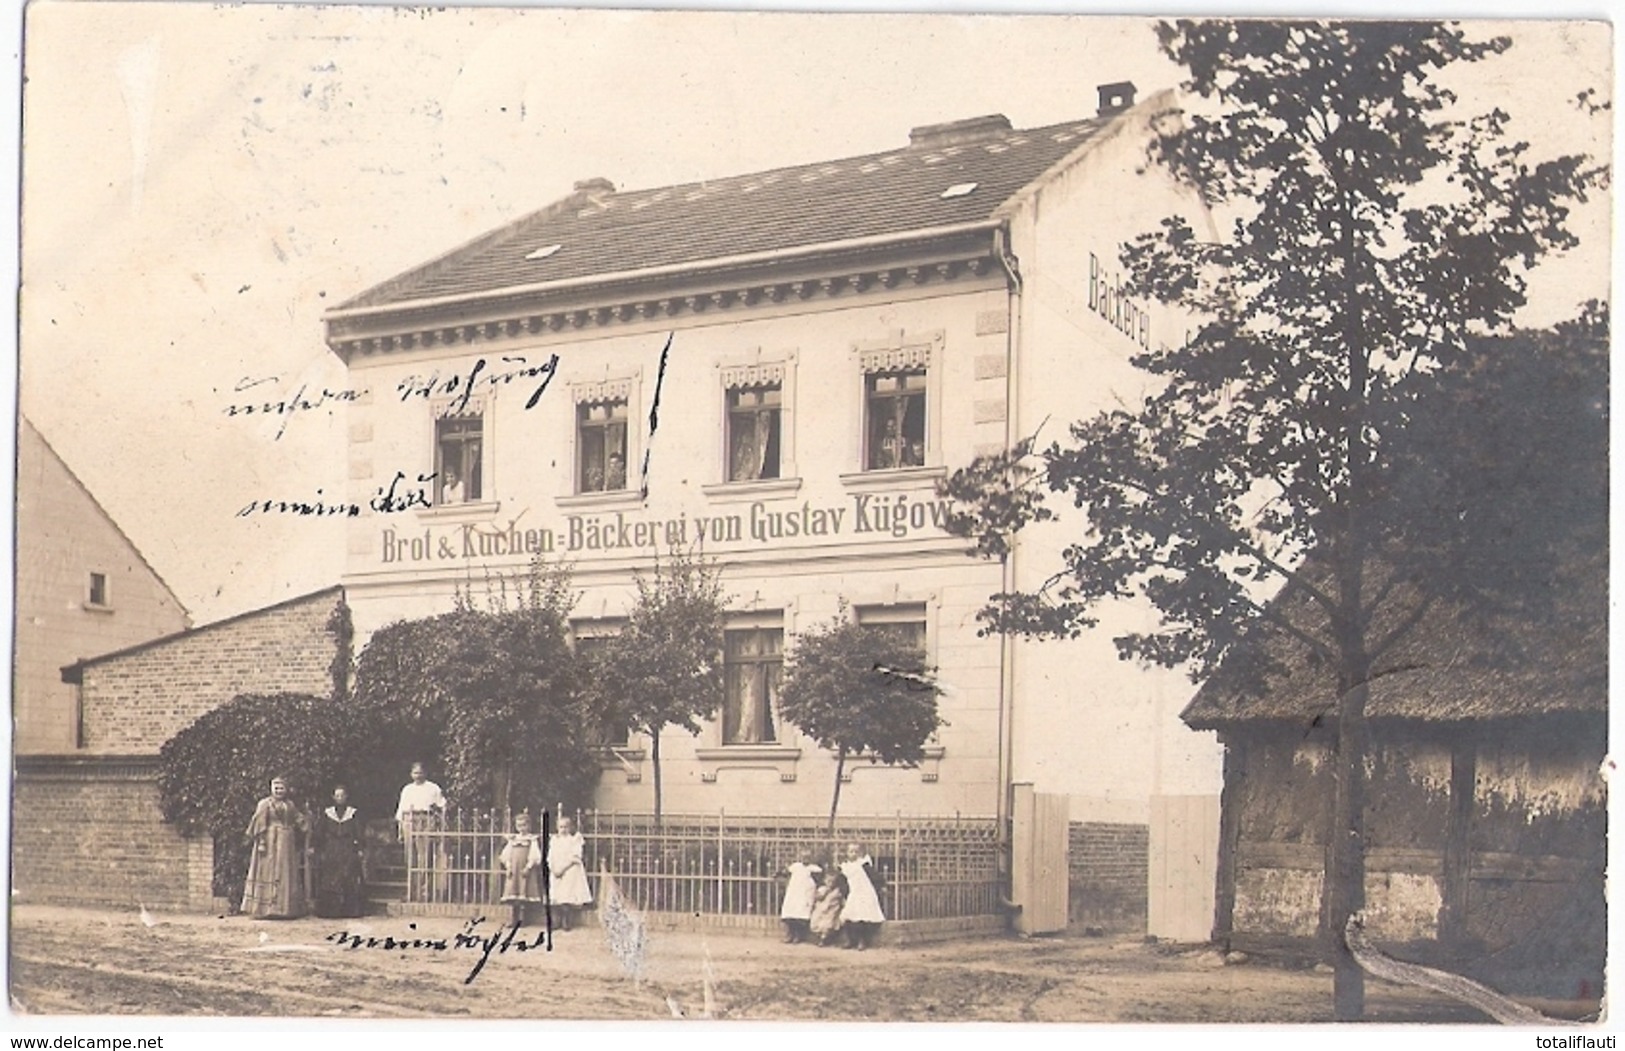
(521, 861)
(827, 904)
(820, 905)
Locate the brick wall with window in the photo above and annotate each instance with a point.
(133, 701)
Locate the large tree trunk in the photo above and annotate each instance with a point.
(1345, 851)
(654, 759)
(840, 768)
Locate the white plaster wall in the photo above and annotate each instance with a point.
(530, 465)
(1093, 725)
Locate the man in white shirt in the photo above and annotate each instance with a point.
(421, 800)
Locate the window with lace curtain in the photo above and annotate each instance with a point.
(894, 410)
(601, 445)
(754, 415)
(753, 668)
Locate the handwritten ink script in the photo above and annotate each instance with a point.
(400, 495)
(500, 942)
(301, 400)
(458, 386)
(462, 388)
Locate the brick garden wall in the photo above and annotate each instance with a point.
(1107, 874)
(88, 831)
(132, 702)
(86, 827)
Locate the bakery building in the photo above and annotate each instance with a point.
(780, 367)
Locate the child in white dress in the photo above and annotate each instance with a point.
(568, 890)
(796, 910)
(861, 916)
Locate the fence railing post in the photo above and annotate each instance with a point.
(941, 867)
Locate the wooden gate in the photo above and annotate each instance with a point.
(1184, 850)
(1038, 863)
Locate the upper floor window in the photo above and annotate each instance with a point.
(753, 668)
(601, 445)
(459, 444)
(99, 595)
(894, 419)
(754, 420)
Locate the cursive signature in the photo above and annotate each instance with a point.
(503, 940)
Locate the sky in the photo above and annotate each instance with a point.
(201, 182)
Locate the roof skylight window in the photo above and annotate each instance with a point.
(959, 189)
(544, 252)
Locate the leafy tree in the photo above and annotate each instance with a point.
(665, 668)
(499, 687)
(860, 689)
(212, 773)
(1377, 231)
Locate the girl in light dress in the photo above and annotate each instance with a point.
(796, 910)
(861, 917)
(567, 887)
(521, 861)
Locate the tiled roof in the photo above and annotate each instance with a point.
(599, 232)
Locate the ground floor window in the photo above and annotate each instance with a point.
(753, 669)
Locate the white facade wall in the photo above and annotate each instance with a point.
(1080, 721)
(1123, 742)
(408, 564)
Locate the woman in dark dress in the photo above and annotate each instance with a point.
(339, 848)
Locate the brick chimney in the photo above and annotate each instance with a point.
(954, 132)
(1115, 98)
(594, 186)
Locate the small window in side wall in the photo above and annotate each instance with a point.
(894, 419)
(753, 669)
(601, 446)
(592, 642)
(754, 417)
(98, 593)
(459, 450)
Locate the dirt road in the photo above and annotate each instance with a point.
(75, 961)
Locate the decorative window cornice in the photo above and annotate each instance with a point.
(602, 390)
(897, 353)
(759, 375)
(457, 406)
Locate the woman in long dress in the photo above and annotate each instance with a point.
(339, 847)
(860, 916)
(567, 883)
(275, 889)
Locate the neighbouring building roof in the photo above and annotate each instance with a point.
(1450, 668)
(949, 174)
(28, 431)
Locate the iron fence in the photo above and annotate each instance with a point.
(722, 865)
